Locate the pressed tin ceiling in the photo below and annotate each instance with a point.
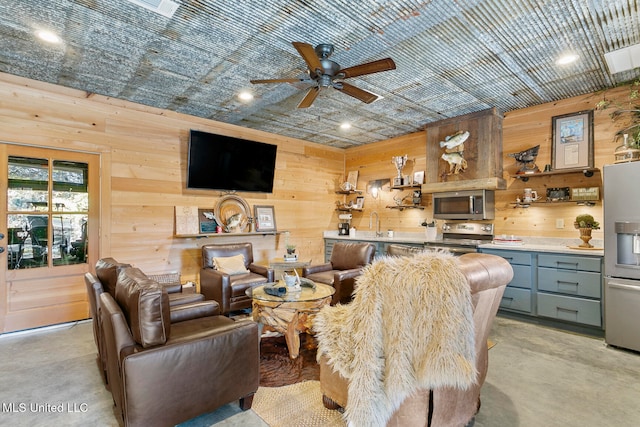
(452, 57)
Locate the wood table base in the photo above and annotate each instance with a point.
(288, 318)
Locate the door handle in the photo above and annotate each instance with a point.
(1, 249)
(1, 236)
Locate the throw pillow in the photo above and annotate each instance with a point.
(231, 265)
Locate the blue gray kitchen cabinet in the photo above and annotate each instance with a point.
(518, 296)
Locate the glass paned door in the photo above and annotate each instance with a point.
(49, 224)
(47, 208)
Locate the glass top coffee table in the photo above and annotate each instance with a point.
(291, 313)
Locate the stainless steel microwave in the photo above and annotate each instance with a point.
(466, 204)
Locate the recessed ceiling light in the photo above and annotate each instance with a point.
(48, 36)
(567, 58)
(345, 125)
(245, 96)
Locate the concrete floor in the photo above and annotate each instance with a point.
(537, 377)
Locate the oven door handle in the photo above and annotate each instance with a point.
(451, 249)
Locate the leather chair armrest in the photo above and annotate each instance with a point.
(195, 310)
(263, 271)
(173, 288)
(347, 274)
(216, 286)
(316, 269)
(344, 282)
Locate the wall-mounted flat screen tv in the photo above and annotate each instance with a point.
(219, 162)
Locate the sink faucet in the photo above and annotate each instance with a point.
(378, 233)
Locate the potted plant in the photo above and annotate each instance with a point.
(291, 249)
(585, 223)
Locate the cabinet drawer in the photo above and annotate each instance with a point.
(514, 257)
(516, 299)
(569, 262)
(571, 309)
(521, 276)
(580, 283)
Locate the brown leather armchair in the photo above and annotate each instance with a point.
(345, 265)
(487, 276)
(162, 373)
(183, 306)
(229, 289)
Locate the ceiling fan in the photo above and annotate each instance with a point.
(324, 73)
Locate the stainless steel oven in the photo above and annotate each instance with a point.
(462, 237)
(464, 205)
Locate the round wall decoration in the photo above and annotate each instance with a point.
(234, 213)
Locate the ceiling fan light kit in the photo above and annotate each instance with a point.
(325, 73)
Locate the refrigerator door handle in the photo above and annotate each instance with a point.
(624, 287)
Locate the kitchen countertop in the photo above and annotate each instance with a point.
(536, 244)
(556, 248)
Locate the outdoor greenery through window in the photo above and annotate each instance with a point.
(47, 209)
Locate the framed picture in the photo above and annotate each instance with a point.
(265, 218)
(359, 202)
(418, 177)
(352, 178)
(572, 141)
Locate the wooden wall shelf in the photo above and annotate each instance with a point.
(403, 207)
(203, 235)
(588, 172)
(407, 187)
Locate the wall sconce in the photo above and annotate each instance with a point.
(375, 187)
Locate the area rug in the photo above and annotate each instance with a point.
(297, 405)
(278, 369)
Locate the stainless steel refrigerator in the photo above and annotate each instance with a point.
(622, 254)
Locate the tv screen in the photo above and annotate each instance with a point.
(219, 162)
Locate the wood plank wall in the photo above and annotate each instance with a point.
(143, 165)
(522, 129)
(143, 153)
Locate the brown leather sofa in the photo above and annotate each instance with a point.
(487, 276)
(344, 266)
(229, 290)
(183, 306)
(162, 373)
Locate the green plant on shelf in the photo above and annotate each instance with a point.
(586, 221)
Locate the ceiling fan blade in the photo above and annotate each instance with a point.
(356, 92)
(309, 55)
(279, 81)
(311, 96)
(369, 68)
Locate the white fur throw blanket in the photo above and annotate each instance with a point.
(408, 327)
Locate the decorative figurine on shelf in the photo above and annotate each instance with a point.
(454, 151)
(527, 159)
(399, 162)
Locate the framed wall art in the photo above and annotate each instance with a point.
(418, 177)
(572, 141)
(265, 218)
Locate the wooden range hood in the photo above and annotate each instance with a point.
(482, 151)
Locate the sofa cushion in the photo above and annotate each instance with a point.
(231, 265)
(107, 272)
(145, 305)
